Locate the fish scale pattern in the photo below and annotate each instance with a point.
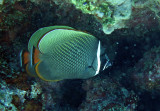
(70, 53)
(74, 55)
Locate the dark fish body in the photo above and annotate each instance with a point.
(60, 52)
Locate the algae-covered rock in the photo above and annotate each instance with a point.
(111, 13)
(1, 2)
(147, 72)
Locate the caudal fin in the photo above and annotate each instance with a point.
(35, 56)
(24, 58)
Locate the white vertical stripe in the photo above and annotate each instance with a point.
(21, 64)
(98, 58)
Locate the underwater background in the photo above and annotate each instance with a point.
(129, 31)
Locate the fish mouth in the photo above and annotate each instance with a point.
(108, 63)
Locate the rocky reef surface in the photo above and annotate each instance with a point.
(128, 29)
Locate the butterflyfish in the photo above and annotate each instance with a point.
(61, 52)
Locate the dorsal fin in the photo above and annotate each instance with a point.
(35, 38)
